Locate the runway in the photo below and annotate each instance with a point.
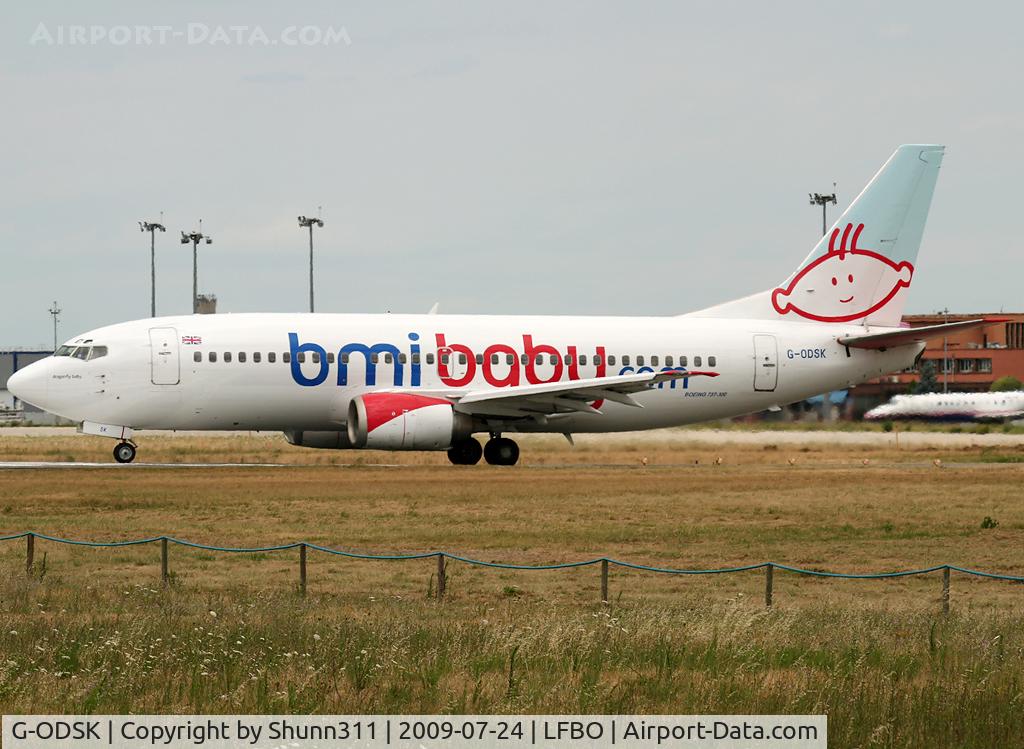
(673, 436)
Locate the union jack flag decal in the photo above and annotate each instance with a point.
(192, 340)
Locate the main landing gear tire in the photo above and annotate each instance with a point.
(501, 451)
(124, 452)
(466, 452)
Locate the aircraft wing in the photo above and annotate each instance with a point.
(905, 336)
(574, 396)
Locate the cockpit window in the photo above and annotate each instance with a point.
(85, 353)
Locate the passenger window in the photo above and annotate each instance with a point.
(197, 356)
(344, 358)
(256, 357)
(374, 358)
(430, 358)
(712, 361)
(696, 361)
(494, 359)
(668, 360)
(510, 359)
(213, 356)
(415, 358)
(611, 360)
(568, 359)
(540, 360)
(640, 360)
(387, 358)
(330, 358)
(462, 358)
(682, 361)
(445, 358)
(654, 361)
(401, 358)
(227, 356)
(286, 357)
(597, 360)
(524, 359)
(625, 360)
(583, 360)
(271, 356)
(314, 356)
(241, 356)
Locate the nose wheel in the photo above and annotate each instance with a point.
(124, 452)
(501, 451)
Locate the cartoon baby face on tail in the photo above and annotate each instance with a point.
(844, 284)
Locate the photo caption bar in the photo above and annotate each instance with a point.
(415, 731)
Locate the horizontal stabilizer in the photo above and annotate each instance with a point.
(906, 336)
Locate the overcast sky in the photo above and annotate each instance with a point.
(627, 158)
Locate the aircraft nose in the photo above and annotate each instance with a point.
(29, 384)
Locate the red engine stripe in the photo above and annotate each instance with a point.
(383, 407)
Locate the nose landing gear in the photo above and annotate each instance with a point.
(124, 452)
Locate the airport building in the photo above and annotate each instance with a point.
(11, 409)
(966, 361)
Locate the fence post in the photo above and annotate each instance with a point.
(165, 575)
(30, 553)
(769, 570)
(604, 581)
(440, 575)
(945, 590)
(302, 569)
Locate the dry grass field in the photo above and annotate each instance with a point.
(93, 629)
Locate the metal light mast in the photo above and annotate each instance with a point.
(55, 310)
(823, 200)
(195, 237)
(945, 353)
(152, 227)
(310, 223)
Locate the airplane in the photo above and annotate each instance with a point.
(432, 382)
(1003, 406)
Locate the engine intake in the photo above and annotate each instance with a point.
(400, 421)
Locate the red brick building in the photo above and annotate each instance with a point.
(970, 360)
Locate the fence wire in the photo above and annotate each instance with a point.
(510, 566)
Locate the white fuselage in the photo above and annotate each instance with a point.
(158, 373)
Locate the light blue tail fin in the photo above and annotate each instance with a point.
(861, 269)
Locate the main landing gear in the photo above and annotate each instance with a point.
(124, 452)
(465, 452)
(499, 451)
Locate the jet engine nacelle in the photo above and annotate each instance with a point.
(322, 440)
(401, 421)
